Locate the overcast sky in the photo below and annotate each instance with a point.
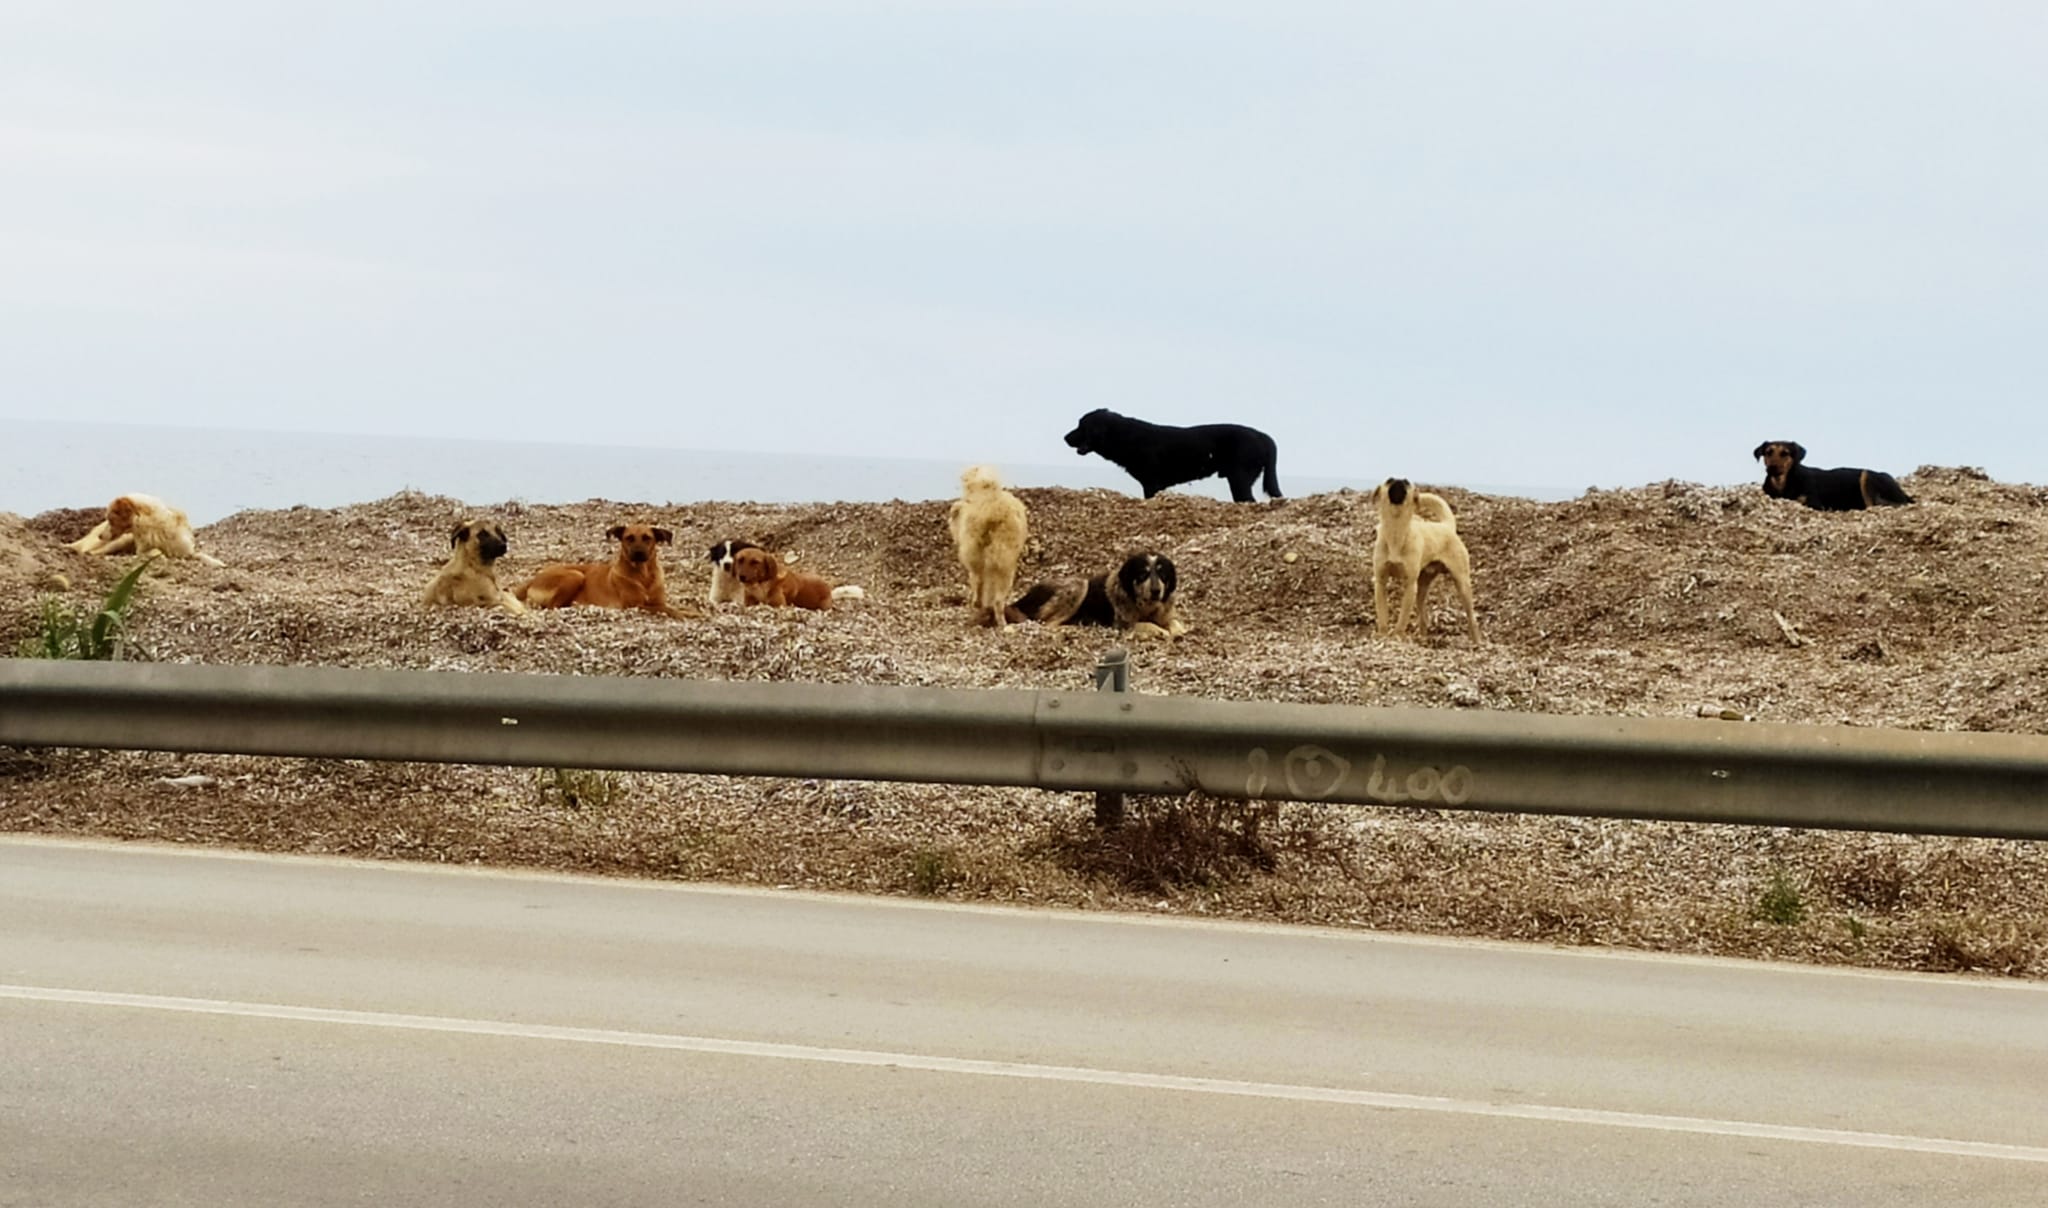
(1563, 244)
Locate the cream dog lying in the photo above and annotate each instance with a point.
(147, 525)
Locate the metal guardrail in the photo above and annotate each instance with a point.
(1108, 742)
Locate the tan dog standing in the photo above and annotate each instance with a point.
(632, 579)
(147, 525)
(989, 527)
(1418, 540)
(469, 577)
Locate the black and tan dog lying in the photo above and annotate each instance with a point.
(1137, 596)
(469, 577)
(1845, 489)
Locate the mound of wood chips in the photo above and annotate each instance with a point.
(1673, 599)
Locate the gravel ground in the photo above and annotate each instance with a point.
(1653, 601)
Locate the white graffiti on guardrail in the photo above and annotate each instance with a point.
(1313, 773)
(1452, 786)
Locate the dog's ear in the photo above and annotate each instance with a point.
(663, 536)
(458, 535)
(1761, 450)
(1797, 450)
(616, 532)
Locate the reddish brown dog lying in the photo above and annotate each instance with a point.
(767, 581)
(632, 579)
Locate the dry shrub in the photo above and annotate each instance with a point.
(1954, 878)
(1977, 942)
(1868, 879)
(1167, 843)
(1587, 916)
(932, 872)
(27, 763)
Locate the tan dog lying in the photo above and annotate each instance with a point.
(767, 580)
(468, 578)
(147, 525)
(632, 579)
(1418, 540)
(989, 527)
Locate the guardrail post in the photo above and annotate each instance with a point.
(1112, 674)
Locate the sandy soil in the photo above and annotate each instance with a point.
(1652, 601)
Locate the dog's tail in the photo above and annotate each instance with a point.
(1882, 490)
(849, 592)
(1431, 506)
(1273, 477)
(1032, 603)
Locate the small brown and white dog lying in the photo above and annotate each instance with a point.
(726, 587)
(989, 527)
(632, 579)
(1418, 540)
(147, 525)
(767, 580)
(468, 577)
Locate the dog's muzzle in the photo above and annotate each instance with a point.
(490, 548)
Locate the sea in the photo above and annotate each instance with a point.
(214, 473)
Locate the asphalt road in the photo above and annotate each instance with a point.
(195, 1028)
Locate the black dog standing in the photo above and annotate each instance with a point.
(1846, 489)
(1161, 455)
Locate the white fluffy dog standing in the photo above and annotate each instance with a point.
(1418, 540)
(989, 527)
(147, 525)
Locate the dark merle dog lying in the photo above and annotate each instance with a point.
(1161, 456)
(1847, 489)
(1137, 596)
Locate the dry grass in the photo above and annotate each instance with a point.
(1653, 601)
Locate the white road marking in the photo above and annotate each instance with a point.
(1051, 1073)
